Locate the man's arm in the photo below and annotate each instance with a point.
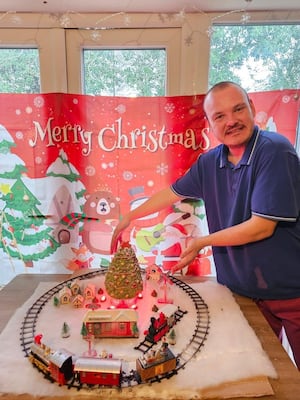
(157, 202)
(254, 229)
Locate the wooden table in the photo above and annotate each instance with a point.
(286, 387)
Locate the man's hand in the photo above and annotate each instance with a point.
(189, 254)
(117, 235)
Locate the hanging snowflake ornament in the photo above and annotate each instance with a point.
(210, 31)
(245, 18)
(95, 35)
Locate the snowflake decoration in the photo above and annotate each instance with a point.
(64, 21)
(121, 108)
(181, 15)
(127, 175)
(38, 160)
(245, 18)
(169, 107)
(210, 31)
(39, 102)
(162, 169)
(16, 20)
(95, 36)
(127, 20)
(189, 40)
(19, 135)
(90, 170)
(286, 99)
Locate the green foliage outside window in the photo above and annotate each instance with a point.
(126, 72)
(19, 70)
(259, 57)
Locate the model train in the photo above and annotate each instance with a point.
(66, 368)
(161, 325)
(155, 364)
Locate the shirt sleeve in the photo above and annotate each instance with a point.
(276, 191)
(189, 185)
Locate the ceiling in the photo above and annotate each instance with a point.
(136, 6)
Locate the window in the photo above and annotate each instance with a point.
(124, 72)
(19, 70)
(258, 56)
(127, 62)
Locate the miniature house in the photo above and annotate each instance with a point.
(112, 323)
(75, 288)
(89, 291)
(78, 301)
(65, 295)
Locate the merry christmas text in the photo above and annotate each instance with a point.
(112, 137)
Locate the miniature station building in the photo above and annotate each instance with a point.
(112, 323)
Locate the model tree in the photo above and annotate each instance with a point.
(65, 330)
(123, 279)
(84, 331)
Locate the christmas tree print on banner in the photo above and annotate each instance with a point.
(24, 234)
(11, 165)
(68, 197)
(62, 168)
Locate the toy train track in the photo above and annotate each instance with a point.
(202, 324)
(193, 347)
(28, 326)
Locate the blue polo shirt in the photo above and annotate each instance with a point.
(266, 182)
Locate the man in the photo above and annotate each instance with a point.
(251, 188)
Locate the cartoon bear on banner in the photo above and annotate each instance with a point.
(101, 211)
(100, 216)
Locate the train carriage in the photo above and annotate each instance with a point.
(61, 366)
(157, 364)
(98, 371)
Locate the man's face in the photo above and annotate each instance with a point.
(230, 115)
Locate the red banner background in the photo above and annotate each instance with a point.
(62, 154)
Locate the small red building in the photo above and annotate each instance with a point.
(121, 322)
(98, 371)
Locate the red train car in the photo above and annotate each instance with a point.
(98, 371)
(61, 366)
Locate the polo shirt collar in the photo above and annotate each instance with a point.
(247, 156)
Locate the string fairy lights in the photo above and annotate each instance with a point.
(74, 20)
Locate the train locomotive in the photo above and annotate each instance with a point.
(57, 366)
(161, 325)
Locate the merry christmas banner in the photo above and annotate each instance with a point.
(72, 165)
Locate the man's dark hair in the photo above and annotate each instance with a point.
(223, 85)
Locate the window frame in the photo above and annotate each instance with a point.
(169, 38)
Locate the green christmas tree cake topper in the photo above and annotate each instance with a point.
(123, 279)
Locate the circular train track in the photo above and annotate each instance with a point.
(190, 351)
